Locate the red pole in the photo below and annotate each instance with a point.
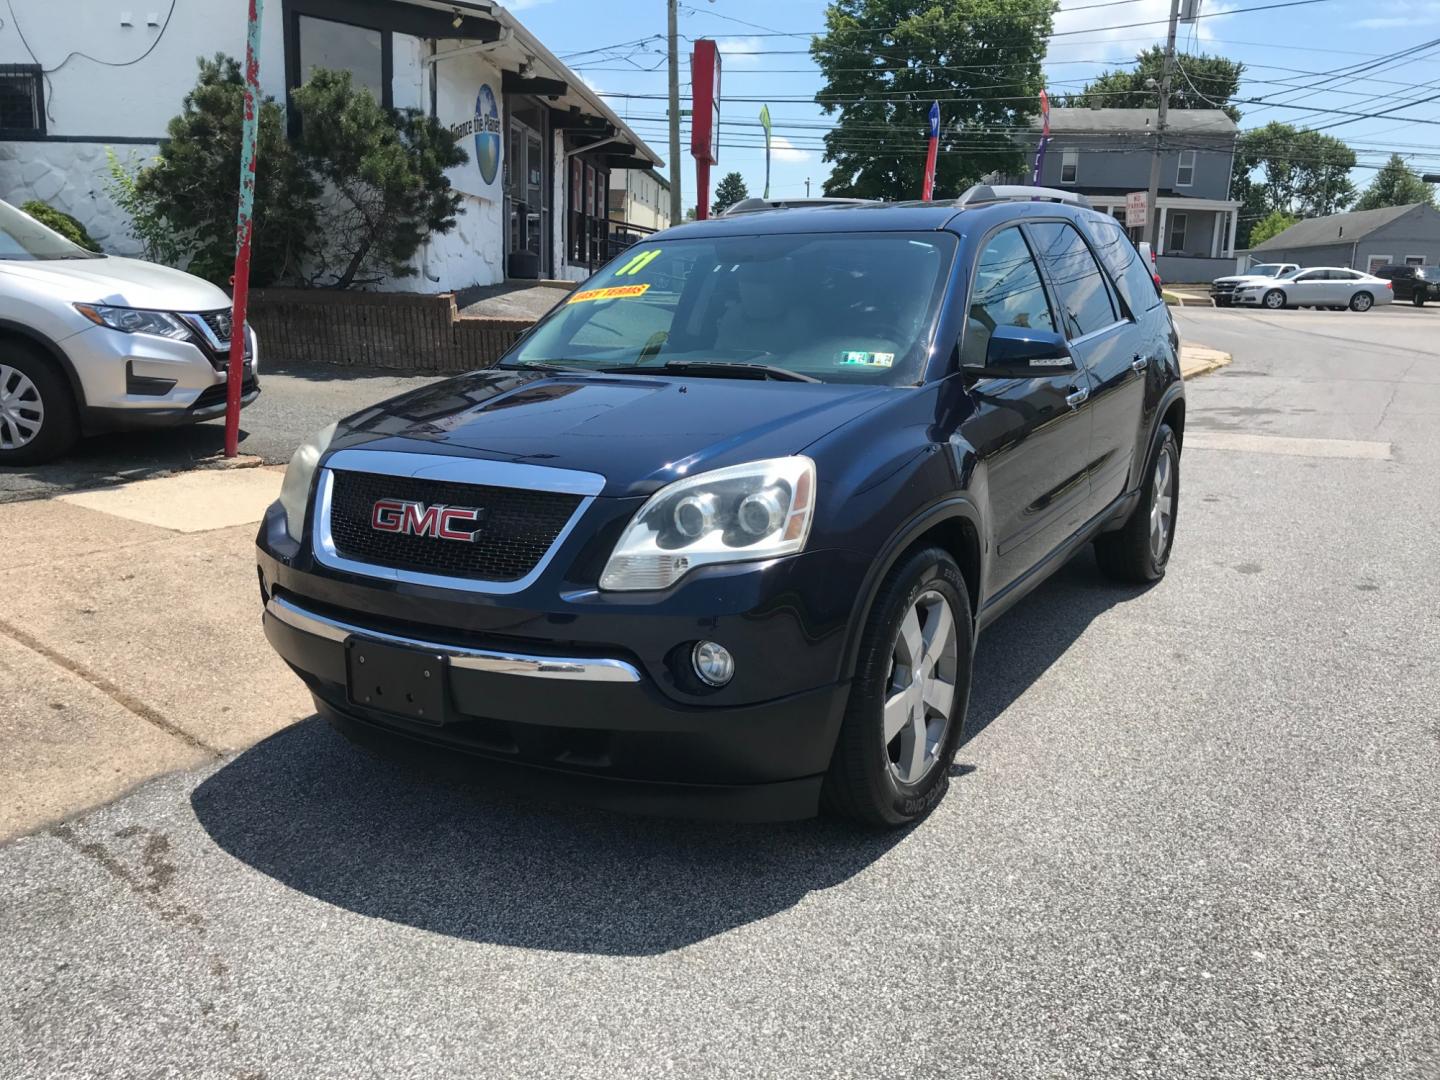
(244, 230)
(702, 189)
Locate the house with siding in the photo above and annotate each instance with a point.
(86, 76)
(1105, 154)
(1360, 240)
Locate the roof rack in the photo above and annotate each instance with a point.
(754, 205)
(992, 193)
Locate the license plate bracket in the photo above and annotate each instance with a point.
(388, 678)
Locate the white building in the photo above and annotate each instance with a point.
(83, 75)
(640, 198)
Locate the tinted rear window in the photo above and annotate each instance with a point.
(1126, 265)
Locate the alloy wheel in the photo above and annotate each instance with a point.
(1162, 506)
(1275, 300)
(22, 410)
(1361, 302)
(923, 665)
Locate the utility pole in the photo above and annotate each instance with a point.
(677, 209)
(1152, 219)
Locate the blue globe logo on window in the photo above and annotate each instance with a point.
(487, 133)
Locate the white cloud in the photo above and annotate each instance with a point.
(1109, 38)
(782, 149)
(734, 51)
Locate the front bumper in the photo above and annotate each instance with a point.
(586, 689)
(142, 381)
(591, 717)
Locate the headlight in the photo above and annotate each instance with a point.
(135, 321)
(295, 491)
(754, 511)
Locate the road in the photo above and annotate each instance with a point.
(294, 401)
(1193, 835)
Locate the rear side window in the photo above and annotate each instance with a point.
(1125, 264)
(1007, 292)
(1084, 300)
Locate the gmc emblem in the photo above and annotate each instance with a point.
(417, 519)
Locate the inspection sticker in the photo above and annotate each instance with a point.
(867, 359)
(614, 292)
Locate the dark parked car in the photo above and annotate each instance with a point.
(1414, 283)
(719, 533)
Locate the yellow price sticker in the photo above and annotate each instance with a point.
(614, 292)
(638, 263)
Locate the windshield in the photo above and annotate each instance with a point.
(22, 237)
(853, 307)
(1267, 270)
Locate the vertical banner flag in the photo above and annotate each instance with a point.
(928, 189)
(244, 230)
(1044, 137)
(765, 123)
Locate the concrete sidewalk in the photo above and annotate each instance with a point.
(130, 642)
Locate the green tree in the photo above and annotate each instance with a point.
(384, 171)
(1280, 167)
(1396, 184)
(192, 188)
(885, 61)
(67, 226)
(1200, 81)
(728, 192)
(1272, 224)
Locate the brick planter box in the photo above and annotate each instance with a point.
(402, 331)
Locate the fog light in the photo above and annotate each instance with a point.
(713, 663)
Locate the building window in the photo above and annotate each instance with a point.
(1414, 260)
(363, 51)
(1069, 166)
(1176, 242)
(22, 100)
(1185, 170)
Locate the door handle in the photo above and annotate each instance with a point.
(1077, 397)
(1140, 363)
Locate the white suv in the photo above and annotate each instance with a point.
(92, 343)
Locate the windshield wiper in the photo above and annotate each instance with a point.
(544, 365)
(737, 369)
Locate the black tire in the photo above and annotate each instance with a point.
(1128, 553)
(1362, 301)
(1273, 300)
(1418, 298)
(864, 782)
(22, 363)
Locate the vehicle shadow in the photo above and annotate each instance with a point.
(421, 846)
(118, 457)
(1016, 650)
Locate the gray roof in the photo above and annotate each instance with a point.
(1337, 228)
(1129, 121)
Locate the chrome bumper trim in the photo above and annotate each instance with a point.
(460, 656)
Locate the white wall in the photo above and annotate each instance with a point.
(473, 252)
(86, 97)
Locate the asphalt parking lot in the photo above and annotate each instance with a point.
(1192, 834)
(294, 401)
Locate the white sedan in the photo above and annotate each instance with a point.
(1332, 287)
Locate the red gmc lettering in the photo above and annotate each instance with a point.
(417, 519)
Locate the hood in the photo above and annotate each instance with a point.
(123, 282)
(639, 431)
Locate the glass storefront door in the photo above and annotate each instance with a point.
(526, 194)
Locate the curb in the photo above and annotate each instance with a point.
(1202, 361)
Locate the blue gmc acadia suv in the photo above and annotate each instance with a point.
(718, 534)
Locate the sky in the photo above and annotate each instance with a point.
(1291, 54)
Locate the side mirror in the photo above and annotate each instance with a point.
(1019, 352)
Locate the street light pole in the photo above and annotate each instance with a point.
(1152, 219)
(677, 209)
